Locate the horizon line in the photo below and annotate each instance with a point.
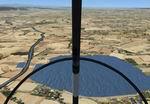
(59, 6)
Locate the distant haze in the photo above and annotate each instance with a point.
(86, 3)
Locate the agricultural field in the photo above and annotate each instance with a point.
(122, 33)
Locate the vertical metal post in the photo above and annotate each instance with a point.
(76, 33)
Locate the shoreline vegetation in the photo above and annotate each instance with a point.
(56, 95)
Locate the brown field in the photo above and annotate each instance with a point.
(123, 33)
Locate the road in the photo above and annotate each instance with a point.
(30, 56)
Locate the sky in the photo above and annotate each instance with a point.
(86, 3)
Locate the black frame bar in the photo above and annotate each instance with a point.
(84, 59)
(76, 34)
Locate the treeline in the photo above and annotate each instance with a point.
(12, 8)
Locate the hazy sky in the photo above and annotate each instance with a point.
(86, 3)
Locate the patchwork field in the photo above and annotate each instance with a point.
(122, 33)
